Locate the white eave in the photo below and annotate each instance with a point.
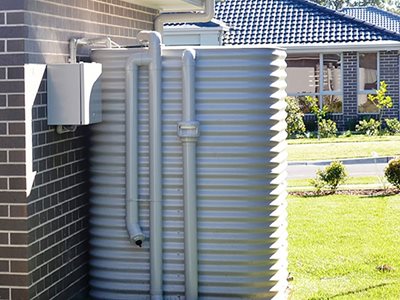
(341, 47)
(170, 5)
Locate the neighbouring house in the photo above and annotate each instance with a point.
(43, 175)
(332, 56)
(376, 16)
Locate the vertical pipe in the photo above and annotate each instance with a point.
(188, 132)
(155, 164)
(153, 59)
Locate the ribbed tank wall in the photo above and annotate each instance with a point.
(241, 174)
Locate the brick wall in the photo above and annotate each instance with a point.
(43, 235)
(349, 89)
(389, 72)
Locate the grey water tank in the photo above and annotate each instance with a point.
(241, 177)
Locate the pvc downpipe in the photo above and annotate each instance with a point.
(153, 59)
(205, 16)
(188, 131)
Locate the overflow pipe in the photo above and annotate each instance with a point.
(188, 131)
(152, 58)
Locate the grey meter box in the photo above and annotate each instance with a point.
(74, 94)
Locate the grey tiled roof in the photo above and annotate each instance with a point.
(375, 16)
(292, 22)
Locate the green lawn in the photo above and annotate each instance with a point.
(351, 147)
(336, 243)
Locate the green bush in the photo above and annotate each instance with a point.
(393, 125)
(294, 119)
(330, 177)
(370, 127)
(392, 172)
(327, 128)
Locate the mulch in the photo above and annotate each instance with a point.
(358, 192)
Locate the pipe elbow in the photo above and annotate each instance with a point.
(136, 235)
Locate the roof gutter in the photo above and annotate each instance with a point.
(182, 17)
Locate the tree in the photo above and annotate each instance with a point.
(392, 5)
(381, 100)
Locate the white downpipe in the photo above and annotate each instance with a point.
(205, 16)
(188, 131)
(152, 58)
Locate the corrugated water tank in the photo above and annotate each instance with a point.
(241, 177)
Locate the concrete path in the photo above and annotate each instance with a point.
(354, 167)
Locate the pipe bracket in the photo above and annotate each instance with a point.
(189, 129)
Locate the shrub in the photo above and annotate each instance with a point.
(392, 172)
(330, 177)
(294, 119)
(327, 128)
(393, 125)
(370, 127)
(381, 100)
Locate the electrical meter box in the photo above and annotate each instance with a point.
(74, 94)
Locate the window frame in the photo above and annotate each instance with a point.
(321, 93)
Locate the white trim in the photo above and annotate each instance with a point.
(366, 92)
(340, 47)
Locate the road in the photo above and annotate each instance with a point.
(353, 170)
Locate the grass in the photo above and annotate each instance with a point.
(336, 243)
(343, 147)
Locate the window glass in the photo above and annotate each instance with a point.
(302, 75)
(366, 106)
(367, 81)
(332, 72)
(334, 103)
(367, 71)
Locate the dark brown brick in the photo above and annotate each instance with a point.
(12, 114)
(15, 18)
(12, 142)
(15, 73)
(12, 197)
(4, 238)
(12, 170)
(3, 100)
(4, 266)
(19, 293)
(12, 60)
(14, 280)
(19, 211)
(3, 184)
(17, 156)
(3, 128)
(5, 293)
(16, 100)
(18, 266)
(13, 31)
(17, 183)
(3, 210)
(12, 4)
(16, 128)
(10, 224)
(18, 238)
(13, 252)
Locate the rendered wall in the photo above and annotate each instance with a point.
(43, 235)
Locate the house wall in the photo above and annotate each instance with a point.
(43, 231)
(389, 72)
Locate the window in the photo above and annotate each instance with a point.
(304, 79)
(367, 81)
